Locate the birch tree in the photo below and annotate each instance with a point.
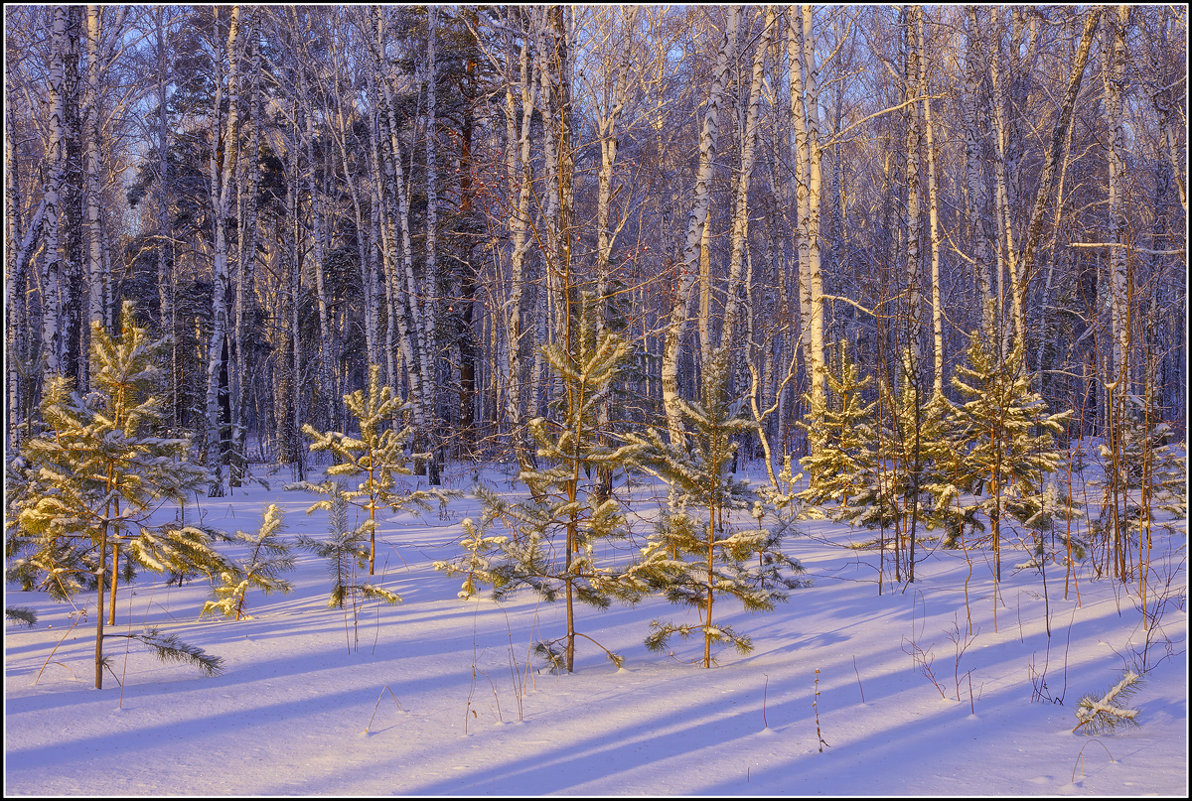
(224, 153)
(696, 220)
(807, 159)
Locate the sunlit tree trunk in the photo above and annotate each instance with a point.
(696, 220)
(806, 159)
(223, 163)
(976, 197)
(97, 279)
(1114, 75)
(52, 274)
(740, 225)
(933, 216)
(520, 97)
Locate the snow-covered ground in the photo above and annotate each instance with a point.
(440, 696)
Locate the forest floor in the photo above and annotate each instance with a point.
(848, 691)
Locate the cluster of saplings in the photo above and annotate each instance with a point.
(86, 484)
(981, 469)
(90, 478)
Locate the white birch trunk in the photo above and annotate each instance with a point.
(976, 198)
(96, 276)
(696, 221)
(222, 171)
(804, 89)
(740, 229)
(1007, 252)
(519, 177)
(430, 288)
(1113, 77)
(51, 301)
(914, 219)
(933, 206)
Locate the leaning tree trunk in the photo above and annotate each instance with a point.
(696, 220)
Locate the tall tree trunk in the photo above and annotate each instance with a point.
(804, 89)
(740, 228)
(914, 218)
(1008, 267)
(52, 278)
(933, 215)
(250, 174)
(696, 220)
(222, 172)
(1113, 74)
(519, 178)
(976, 199)
(430, 280)
(408, 306)
(97, 299)
(166, 272)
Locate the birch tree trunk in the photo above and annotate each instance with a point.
(1054, 157)
(430, 285)
(249, 170)
(519, 178)
(166, 282)
(51, 278)
(696, 221)
(326, 373)
(365, 246)
(914, 218)
(933, 205)
(414, 334)
(97, 300)
(222, 172)
(804, 89)
(976, 199)
(1113, 77)
(1008, 267)
(740, 228)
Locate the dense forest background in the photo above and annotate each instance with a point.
(757, 200)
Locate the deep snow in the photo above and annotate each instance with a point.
(436, 698)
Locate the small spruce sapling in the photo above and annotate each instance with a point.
(901, 483)
(268, 557)
(94, 476)
(561, 542)
(346, 552)
(375, 457)
(696, 558)
(843, 443)
(1006, 437)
